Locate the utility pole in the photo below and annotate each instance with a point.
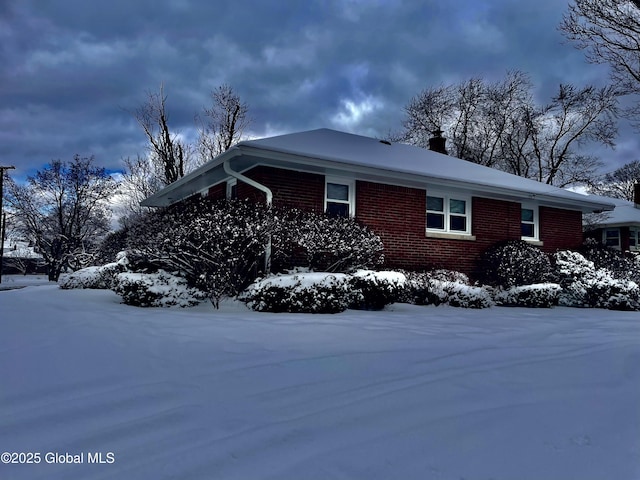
(3, 217)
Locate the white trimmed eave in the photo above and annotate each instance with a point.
(195, 182)
(212, 173)
(618, 225)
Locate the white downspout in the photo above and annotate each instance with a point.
(269, 195)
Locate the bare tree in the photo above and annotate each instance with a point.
(609, 32)
(222, 125)
(167, 150)
(499, 125)
(477, 117)
(63, 210)
(620, 182)
(141, 178)
(573, 118)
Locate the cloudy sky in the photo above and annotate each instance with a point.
(72, 70)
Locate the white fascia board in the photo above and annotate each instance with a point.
(191, 184)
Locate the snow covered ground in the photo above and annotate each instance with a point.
(407, 393)
(10, 282)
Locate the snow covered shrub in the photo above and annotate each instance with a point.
(83, 278)
(512, 263)
(584, 285)
(621, 265)
(160, 289)
(444, 287)
(448, 276)
(217, 246)
(91, 277)
(539, 295)
(331, 244)
(458, 294)
(373, 290)
(299, 293)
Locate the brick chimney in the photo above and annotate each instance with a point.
(437, 143)
(636, 195)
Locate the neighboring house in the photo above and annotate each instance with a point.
(430, 209)
(20, 257)
(620, 228)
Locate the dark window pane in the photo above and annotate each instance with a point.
(335, 191)
(337, 209)
(528, 230)
(435, 220)
(457, 206)
(435, 203)
(459, 224)
(527, 215)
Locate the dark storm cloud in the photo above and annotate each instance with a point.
(72, 71)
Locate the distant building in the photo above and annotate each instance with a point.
(620, 228)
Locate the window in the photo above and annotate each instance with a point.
(448, 214)
(529, 222)
(232, 189)
(634, 239)
(611, 237)
(339, 198)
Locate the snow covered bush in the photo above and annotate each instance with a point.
(444, 287)
(374, 290)
(217, 246)
(327, 244)
(512, 263)
(458, 294)
(324, 292)
(585, 285)
(88, 277)
(160, 289)
(91, 277)
(539, 295)
(299, 293)
(621, 265)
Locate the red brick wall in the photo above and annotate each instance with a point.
(218, 192)
(560, 229)
(289, 188)
(398, 215)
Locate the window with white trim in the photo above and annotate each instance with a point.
(448, 214)
(611, 237)
(339, 197)
(529, 225)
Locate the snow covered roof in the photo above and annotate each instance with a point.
(19, 249)
(331, 152)
(625, 213)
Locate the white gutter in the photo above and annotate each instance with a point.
(269, 195)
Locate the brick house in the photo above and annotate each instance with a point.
(430, 209)
(620, 228)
